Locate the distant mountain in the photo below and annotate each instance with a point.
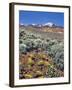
(47, 27)
(48, 24)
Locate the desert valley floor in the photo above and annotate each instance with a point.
(41, 52)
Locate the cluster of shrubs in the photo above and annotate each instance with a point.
(55, 49)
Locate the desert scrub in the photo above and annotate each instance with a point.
(37, 67)
(40, 57)
(57, 53)
(53, 72)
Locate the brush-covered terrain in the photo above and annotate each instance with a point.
(41, 53)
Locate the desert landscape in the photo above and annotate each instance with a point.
(41, 51)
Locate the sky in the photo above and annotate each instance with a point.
(37, 17)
